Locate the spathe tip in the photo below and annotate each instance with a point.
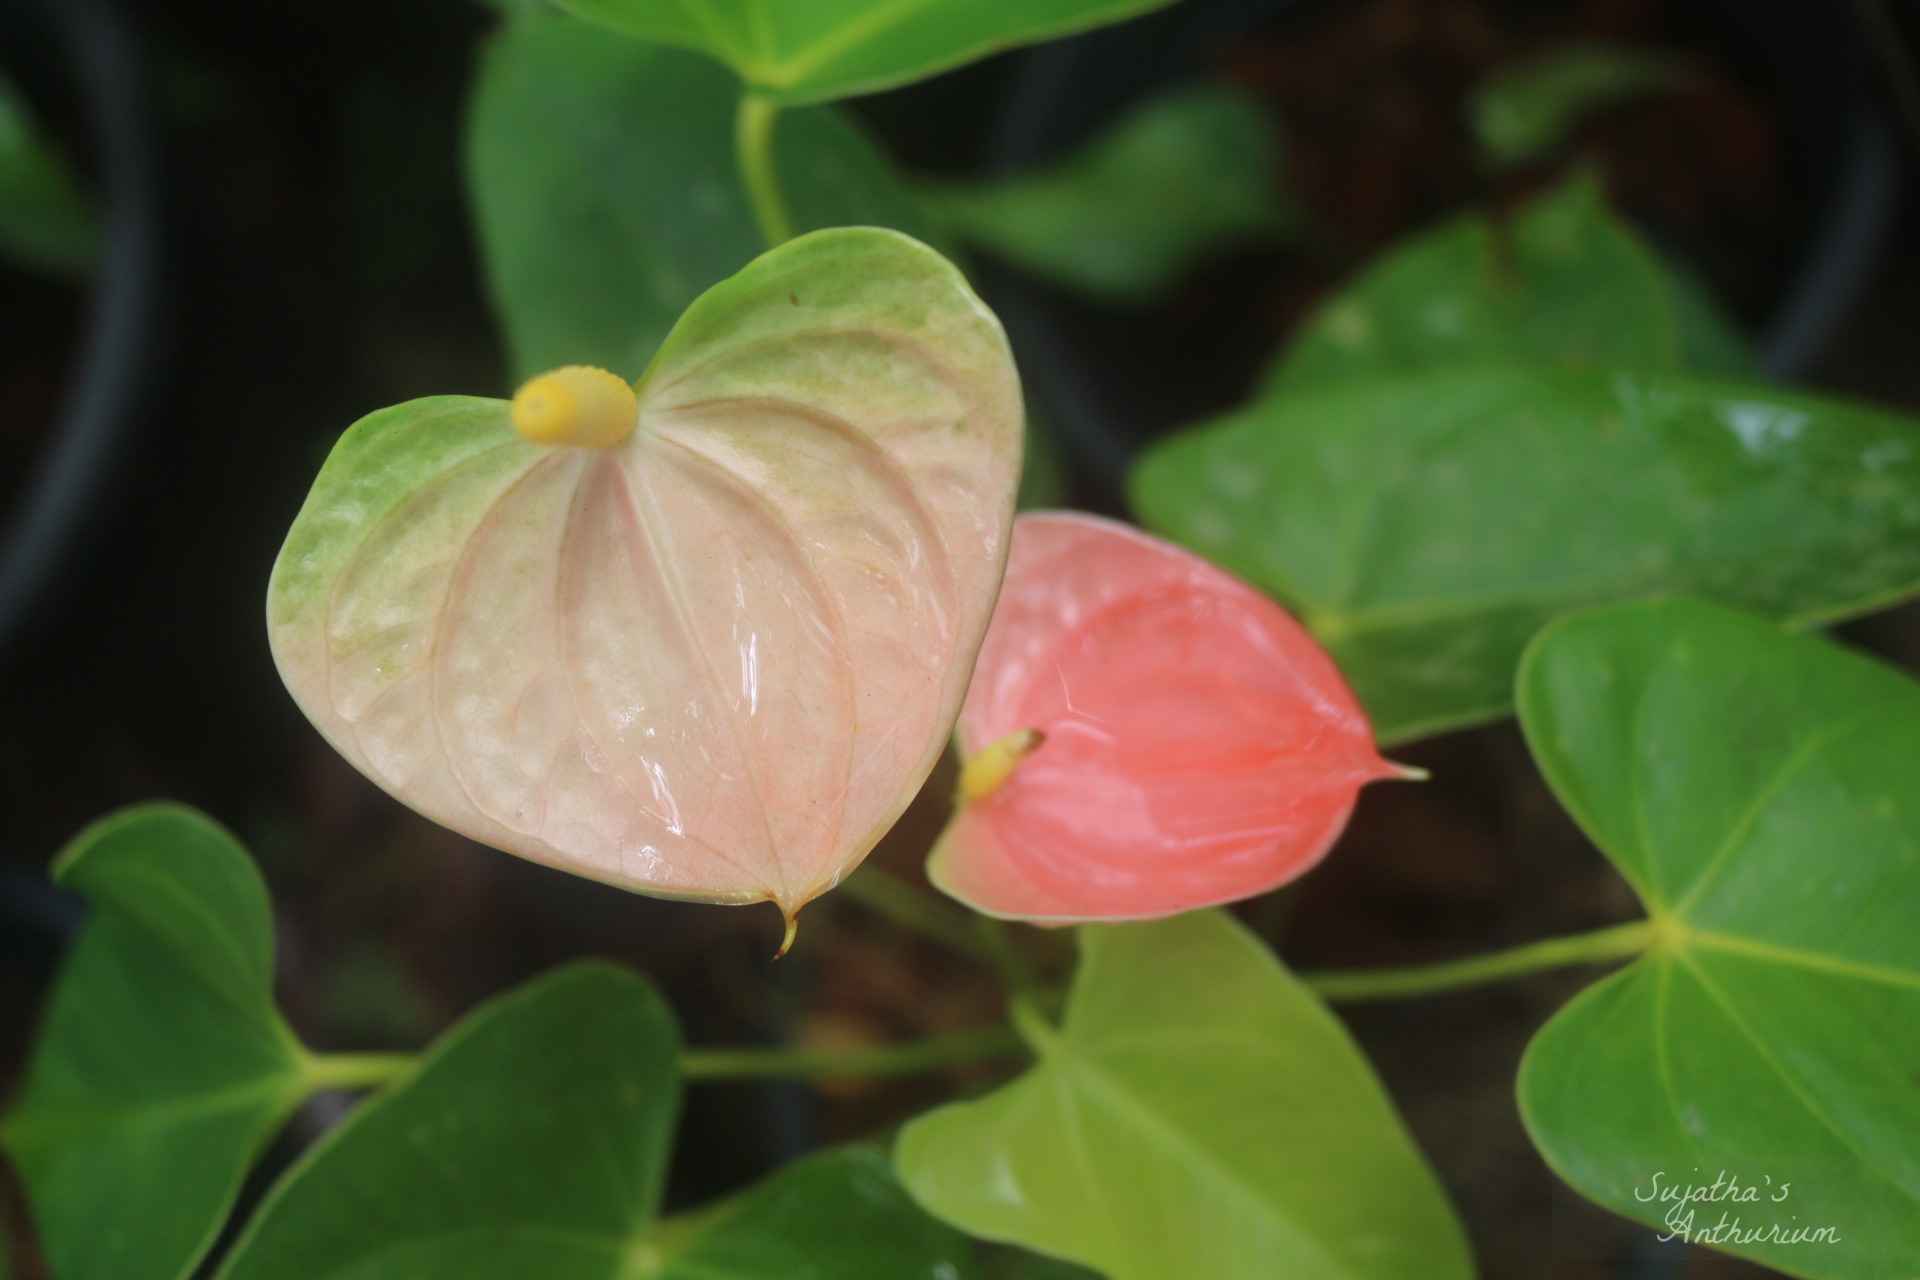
(786, 941)
(1405, 772)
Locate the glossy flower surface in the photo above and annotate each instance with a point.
(1196, 746)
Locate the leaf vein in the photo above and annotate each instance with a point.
(1792, 1082)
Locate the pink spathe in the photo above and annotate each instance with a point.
(1199, 748)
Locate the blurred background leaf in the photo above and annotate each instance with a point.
(1043, 473)
(46, 222)
(602, 180)
(1711, 341)
(1184, 175)
(825, 49)
(1526, 111)
(1562, 282)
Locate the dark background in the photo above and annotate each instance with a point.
(312, 259)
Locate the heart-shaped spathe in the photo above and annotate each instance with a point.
(715, 660)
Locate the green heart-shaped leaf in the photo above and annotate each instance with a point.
(1758, 791)
(606, 196)
(1565, 282)
(823, 49)
(1427, 526)
(715, 659)
(532, 1140)
(1180, 177)
(1199, 1113)
(162, 1066)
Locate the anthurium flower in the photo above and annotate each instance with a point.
(702, 637)
(1144, 734)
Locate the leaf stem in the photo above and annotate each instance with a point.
(911, 1058)
(355, 1070)
(1035, 1029)
(1015, 973)
(897, 902)
(759, 168)
(1616, 942)
(372, 1070)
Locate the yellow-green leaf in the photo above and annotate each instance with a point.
(1199, 1112)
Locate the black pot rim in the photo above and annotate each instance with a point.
(87, 450)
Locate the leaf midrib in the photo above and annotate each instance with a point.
(213, 928)
(269, 1093)
(1739, 835)
(1063, 1055)
(1799, 958)
(806, 59)
(1794, 1085)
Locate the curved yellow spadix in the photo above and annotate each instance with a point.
(982, 775)
(576, 405)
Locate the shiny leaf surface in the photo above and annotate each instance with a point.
(1757, 789)
(1199, 746)
(1199, 1113)
(714, 661)
(1425, 527)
